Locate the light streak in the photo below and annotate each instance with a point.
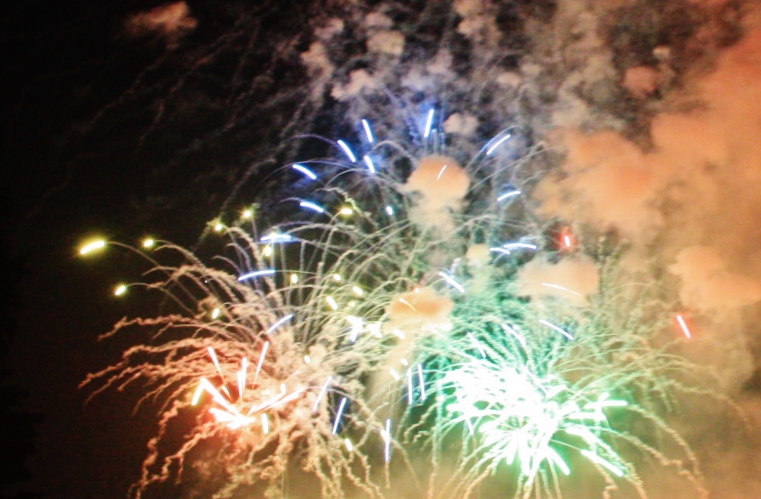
(566, 239)
(197, 394)
(368, 131)
(452, 282)
(477, 345)
(279, 323)
(242, 377)
(369, 162)
(339, 414)
(93, 246)
(556, 328)
(441, 172)
(510, 246)
(304, 170)
(256, 273)
(386, 434)
(683, 325)
(428, 124)
(500, 250)
(347, 150)
(265, 423)
(507, 195)
(215, 360)
(497, 144)
(321, 393)
(259, 365)
(312, 206)
(276, 238)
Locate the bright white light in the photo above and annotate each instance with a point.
(510, 194)
(510, 246)
(341, 407)
(387, 437)
(90, 247)
(306, 171)
(683, 325)
(368, 131)
(257, 273)
(261, 357)
(347, 150)
(276, 238)
(265, 423)
(311, 206)
(496, 144)
(441, 172)
(428, 124)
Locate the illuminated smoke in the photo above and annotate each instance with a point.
(170, 21)
(441, 184)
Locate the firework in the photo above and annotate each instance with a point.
(547, 391)
(386, 320)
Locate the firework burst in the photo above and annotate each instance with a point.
(390, 317)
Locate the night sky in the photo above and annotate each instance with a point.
(121, 123)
